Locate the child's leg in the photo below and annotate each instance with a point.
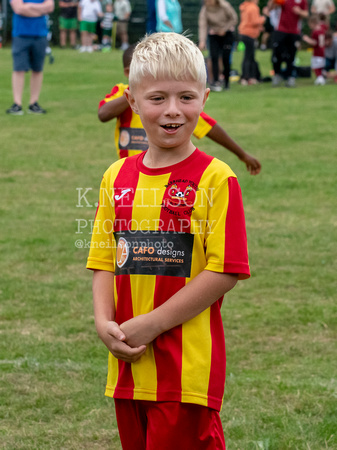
(72, 37)
(318, 72)
(84, 38)
(214, 53)
(248, 57)
(226, 56)
(63, 37)
(90, 39)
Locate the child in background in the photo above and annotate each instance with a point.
(130, 136)
(107, 24)
(122, 9)
(317, 40)
(88, 13)
(168, 242)
(330, 69)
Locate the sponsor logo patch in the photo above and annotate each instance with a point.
(154, 253)
(133, 139)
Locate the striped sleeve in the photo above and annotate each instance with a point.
(204, 125)
(116, 92)
(226, 242)
(102, 246)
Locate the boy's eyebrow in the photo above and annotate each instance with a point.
(161, 91)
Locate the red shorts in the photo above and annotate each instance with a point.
(146, 425)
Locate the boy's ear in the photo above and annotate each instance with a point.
(131, 100)
(207, 91)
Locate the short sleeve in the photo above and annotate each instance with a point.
(116, 92)
(226, 239)
(103, 247)
(204, 125)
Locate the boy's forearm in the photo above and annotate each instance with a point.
(219, 135)
(198, 295)
(309, 40)
(194, 298)
(103, 298)
(113, 109)
(104, 311)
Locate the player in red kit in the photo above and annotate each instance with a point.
(286, 37)
(317, 40)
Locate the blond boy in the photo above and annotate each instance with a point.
(169, 241)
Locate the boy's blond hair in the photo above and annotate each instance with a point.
(167, 55)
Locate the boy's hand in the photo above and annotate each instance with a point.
(252, 164)
(139, 331)
(114, 338)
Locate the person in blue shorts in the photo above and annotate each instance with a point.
(29, 33)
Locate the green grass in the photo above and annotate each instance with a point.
(280, 325)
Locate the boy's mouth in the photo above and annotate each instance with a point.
(172, 126)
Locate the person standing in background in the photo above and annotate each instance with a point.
(68, 22)
(169, 16)
(88, 13)
(106, 25)
(122, 10)
(151, 19)
(287, 37)
(217, 21)
(29, 33)
(250, 27)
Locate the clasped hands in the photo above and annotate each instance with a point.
(128, 341)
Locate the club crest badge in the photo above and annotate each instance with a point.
(180, 194)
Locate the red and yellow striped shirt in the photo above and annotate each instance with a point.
(157, 229)
(130, 136)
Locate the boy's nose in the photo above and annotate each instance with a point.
(172, 109)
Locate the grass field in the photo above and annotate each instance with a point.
(280, 325)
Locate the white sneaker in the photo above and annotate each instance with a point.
(83, 49)
(277, 80)
(90, 49)
(124, 46)
(216, 86)
(291, 82)
(320, 81)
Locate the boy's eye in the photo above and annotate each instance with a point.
(186, 97)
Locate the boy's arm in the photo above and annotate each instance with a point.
(196, 296)
(219, 135)
(104, 311)
(32, 9)
(112, 109)
(309, 40)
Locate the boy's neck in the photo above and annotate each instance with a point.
(156, 158)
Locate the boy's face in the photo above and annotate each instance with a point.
(169, 110)
(312, 24)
